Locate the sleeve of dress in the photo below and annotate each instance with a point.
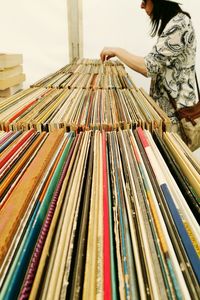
(169, 45)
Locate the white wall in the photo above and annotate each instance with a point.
(38, 30)
(124, 24)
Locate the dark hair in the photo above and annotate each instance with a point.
(163, 12)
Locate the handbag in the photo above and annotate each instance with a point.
(189, 118)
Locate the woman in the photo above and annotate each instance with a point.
(171, 62)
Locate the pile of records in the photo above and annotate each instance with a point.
(98, 199)
(83, 96)
(98, 215)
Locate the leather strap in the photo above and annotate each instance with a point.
(198, 93)
(189, 113)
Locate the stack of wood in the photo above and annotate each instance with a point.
(11, 74)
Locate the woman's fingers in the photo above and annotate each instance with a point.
(106, 54)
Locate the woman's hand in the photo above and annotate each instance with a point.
(136, 63)
(107, 53)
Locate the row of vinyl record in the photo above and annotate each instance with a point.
(89, 66)
(85, 66)
(83, 80)
(88, 73)
(98, 215)
(82, 101)
(81, 109)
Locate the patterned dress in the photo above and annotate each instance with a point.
(171, 65)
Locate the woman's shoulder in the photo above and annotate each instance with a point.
(181, 19)
(180, 22)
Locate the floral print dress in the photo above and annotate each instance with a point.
(171, 66)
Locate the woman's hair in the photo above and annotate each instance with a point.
(163, 12)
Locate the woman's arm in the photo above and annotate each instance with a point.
(134, 62)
